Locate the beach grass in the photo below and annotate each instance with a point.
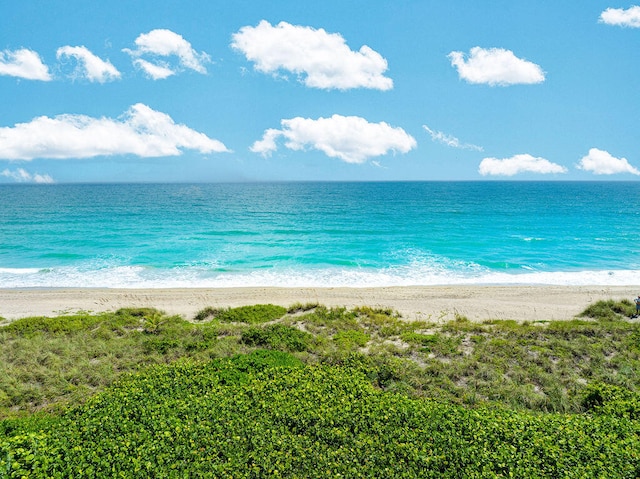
(258, 313)
(370, 373)
(539, 366)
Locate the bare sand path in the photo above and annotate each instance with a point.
(435, 303)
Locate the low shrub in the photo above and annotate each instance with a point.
(160, 345)
(206, 313)
(351, 339)
(262, 359)
(609, 310)
(259, 313)
(58, 325)
(137, 312)
(610, 400)
(376, 312)
(278, 336)
(264, 415)
(333, 318)
(66, 324)
(418, 338)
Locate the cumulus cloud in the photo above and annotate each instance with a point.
(495, 66)
(165, 43)
(620, 17)
(518, 164)
(321, 60)
(156, 71)
(601, 162)
(23, 176)
(141, 131)
(349, 138)
(23, 63)
(89, 65)
(450, 140)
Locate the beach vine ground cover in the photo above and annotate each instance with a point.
(360, 393)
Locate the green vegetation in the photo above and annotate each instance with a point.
(278, 336)
(351, 339)
(610, 310)
(311, 391)
(260, 313)
(302, 308)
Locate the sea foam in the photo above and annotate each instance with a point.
(196, 277)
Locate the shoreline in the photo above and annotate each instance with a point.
(427, 303)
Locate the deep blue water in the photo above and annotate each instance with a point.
(319, 234)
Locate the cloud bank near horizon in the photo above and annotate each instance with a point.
(23, 176)
(523, 163)
(600, 162)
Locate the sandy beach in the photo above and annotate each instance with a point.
(433, 303)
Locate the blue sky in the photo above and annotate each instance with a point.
(140, 90)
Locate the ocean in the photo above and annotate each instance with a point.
(319, 234)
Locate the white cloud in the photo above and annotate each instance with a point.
(518, 164)
(156, 71)
(321, 59)
(450, 140)
(23, 63)
(349, 138)
(621, 17)
(23, 176)
(267, 145)
(89, 66)
(165, 43)
(141, 131)
(601, 162)
(495, 66)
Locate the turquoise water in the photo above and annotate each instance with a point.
(319, 234)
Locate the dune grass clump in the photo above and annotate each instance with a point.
(259, 313)
(28, 327)
(45, 362)
(206, 313)
(424, 340)
(279, 337)
(609, 310)
(302, 308)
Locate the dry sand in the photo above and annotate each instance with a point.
(434, 303)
